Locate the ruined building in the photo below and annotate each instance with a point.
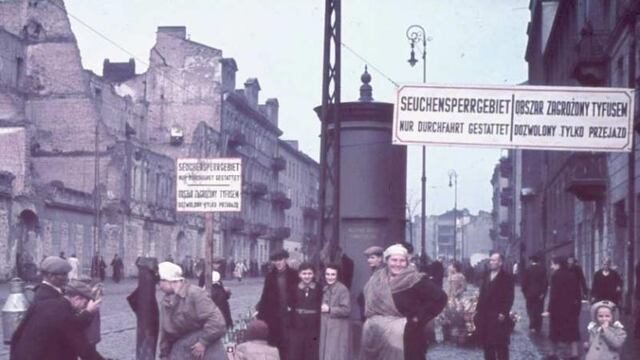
(87, 162)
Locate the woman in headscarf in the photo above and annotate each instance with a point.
(399, 301)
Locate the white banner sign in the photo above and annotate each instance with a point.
(529, 117)
(209, 185)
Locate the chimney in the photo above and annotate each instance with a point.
(271, 108)
(176, 31)
(251, 91)
(229, 68)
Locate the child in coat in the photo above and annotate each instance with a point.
(606, 334)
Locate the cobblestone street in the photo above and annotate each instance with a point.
(118, 325)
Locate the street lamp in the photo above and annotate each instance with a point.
(415, 34)
(454, 175)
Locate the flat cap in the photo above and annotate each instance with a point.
(374, 250)
(279, 255)
(78, 288)
(217, 259)
(55, 265)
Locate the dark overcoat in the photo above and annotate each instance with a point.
(564, 306)
(221, 298)
(534, 282)
(49, 331)
(496, 297)
(607, 287)
(436, 272)
(270, 308)
(420, 304)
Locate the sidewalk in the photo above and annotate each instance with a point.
(631, 349)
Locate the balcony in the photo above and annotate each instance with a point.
(258, 229)
(279, 198)
(591, 63)
(257, 189)
(232, 224)
(278, 163)
(587, 176)
(506, 196)
(310, 211)
(282, 232)
(236, 138)
(527, 193)
(505, 167)
(505, 229)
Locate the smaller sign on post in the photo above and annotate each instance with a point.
(209, 185)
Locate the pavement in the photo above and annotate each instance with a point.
(118, 325)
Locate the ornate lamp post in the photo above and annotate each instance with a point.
(417, 34)
(454, 175)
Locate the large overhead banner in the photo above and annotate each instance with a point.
(209, 185)
(527, 117)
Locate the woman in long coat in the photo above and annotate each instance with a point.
(564, 306)
(399, 302)
(335, 327)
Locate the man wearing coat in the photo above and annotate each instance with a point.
(534, 289)
(494, 304)
(50, 329)
(276, 301)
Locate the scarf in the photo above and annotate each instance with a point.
(379, 290)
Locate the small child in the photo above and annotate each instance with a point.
(606, 334)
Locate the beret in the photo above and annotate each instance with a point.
(374, 250)
(55, 265)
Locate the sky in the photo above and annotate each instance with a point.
(473, 42)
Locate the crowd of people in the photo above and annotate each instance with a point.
(306, 313)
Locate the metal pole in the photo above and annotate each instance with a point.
(453, 175)
(415, 33)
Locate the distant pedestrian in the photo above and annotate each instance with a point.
(565, 301)
(102, 268)
(607, 284)
(239, 270)
(220, 296)
(493, 320)
(534, 289)
(276, 301)
(335, 326)
(453, 324)
(118, 267)
(436, 271)
(305, 316)
(256, 345)
(191, 324)
(606, 333)
(75, 264)
(62, 255)
(576, 269)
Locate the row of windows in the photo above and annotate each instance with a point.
(149, 186)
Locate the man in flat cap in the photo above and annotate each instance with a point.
(277, 299)
(50, 331)
(374, 257)
(191, 324)
(54, 270)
